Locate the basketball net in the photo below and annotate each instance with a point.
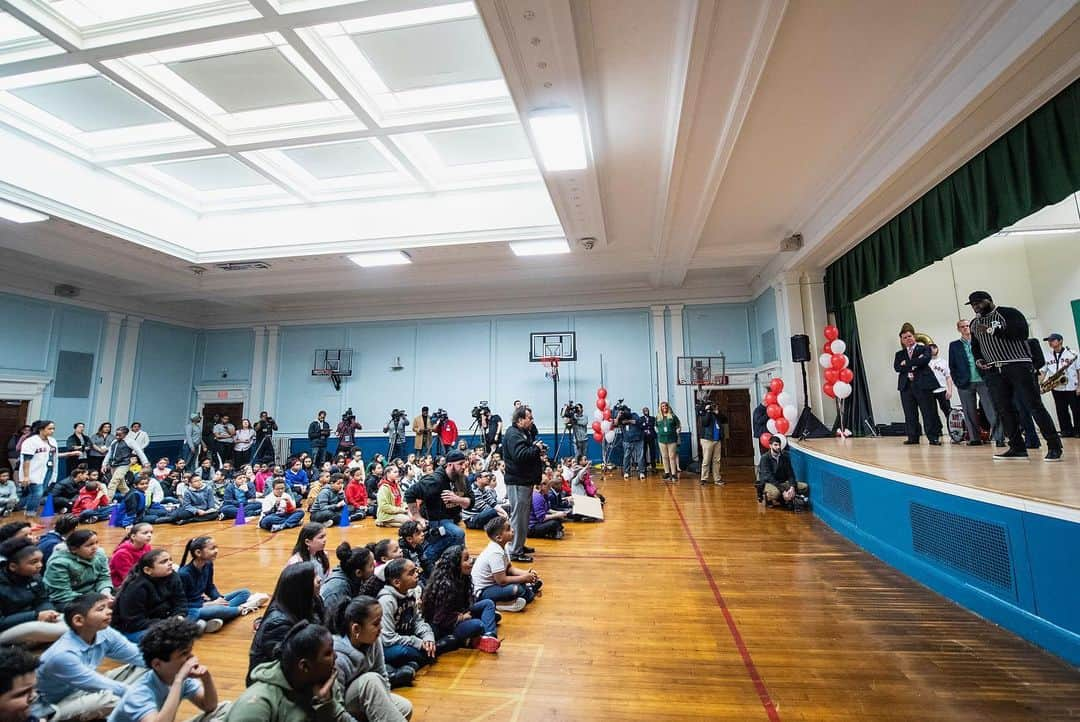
(551, 366)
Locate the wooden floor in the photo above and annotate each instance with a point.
(693, 603)
(971, 466)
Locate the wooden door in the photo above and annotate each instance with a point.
(234, 411)
(735, 404)
(12, 418)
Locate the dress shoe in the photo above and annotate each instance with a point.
(935, 442)
(1053, 455)
(975, 442)
(911, 442)
(1011, 455)
(527, 550)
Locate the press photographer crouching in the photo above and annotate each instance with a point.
(443, 493)
(776, 484)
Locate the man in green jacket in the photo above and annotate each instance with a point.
(299, 686)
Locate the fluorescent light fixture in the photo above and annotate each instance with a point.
(559, 139)
(1037, 231)
(540, 248)
(380, 258)
(18, 214)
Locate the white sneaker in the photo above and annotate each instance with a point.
(212, 625)
(201, 624)
(515, 606)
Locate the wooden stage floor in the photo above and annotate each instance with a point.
(694, 603)
(971, 466)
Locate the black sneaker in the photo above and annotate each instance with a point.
(976, 442)
(523, 558)
(911, 442)
(402, 677)
(527, 550)
(1011, 455)
(1053, 455)
(999, 444)
(935, 442)
(449, 643)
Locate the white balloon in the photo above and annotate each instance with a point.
(847, 361)
(605, 426)
(784, 398)
(791, 413)
(838, 346)
(841, 389)
(609, 436)
(598, 415)
(825, 360)
(783, 440)
(771, 426)
(847, 432)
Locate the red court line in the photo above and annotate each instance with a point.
(748, 662)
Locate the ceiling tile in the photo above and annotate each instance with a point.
(466, 146)
(212, 174)
(248, 81)
(90, 104)
(339, 160)
(453, 52)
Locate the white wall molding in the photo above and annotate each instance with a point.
(269, 400)
(258, 366)
(678, 348)
(106, 379)
(660, 350)
(26, 389)
(121, 410)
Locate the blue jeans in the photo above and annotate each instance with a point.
(510, 592)
(251, 510)
(481, 519)
(190, 455)
(440, 542)
(136, 636)
(397, 655)
(224, 612)
(32, 499)
(632, 451)
(481, 624)
(290, 521)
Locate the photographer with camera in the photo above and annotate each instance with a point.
(346, 433)
(439, 418)
(576, 424)
(491, 427)
(524, 460)
(264, 445)
(421, 426)
(439, 497)
(712, 442)
(318, 432)
(395, 429)
(632, 438)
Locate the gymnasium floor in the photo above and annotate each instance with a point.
(695, 603)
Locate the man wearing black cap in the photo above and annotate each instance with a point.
(443, 494)
(999, 344)
(1067, 393)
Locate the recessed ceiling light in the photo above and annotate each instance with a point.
(380, 258)
(559, 140)
(19, 214)
(540, 248)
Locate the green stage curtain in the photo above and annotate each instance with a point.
(1034, 165)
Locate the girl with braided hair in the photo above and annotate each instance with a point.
(448, 604)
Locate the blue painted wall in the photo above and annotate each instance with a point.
(763, 324)
(229, 349)
(162, 392)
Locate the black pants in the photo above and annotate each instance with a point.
(1019, 380)
(1067, 405)
(917, 401)
(318, 455)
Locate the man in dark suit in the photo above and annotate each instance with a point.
(916, 383)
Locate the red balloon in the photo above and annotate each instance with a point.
(827, 388)
(601, 404)
(596, 427)
(776, 385)
(770, 399)
(607, 414)
(832, 333)
(601, 393)
(838, 361)
(774, 411)
(782, 425)
(831, 376)
(827, 348)
(764, 439)
(846, 375)
(598, 437)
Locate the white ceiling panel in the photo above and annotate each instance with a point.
(466, 146)
(90, 104)
(212, 174)
(18, 42)
(453, 52)
(340, 160)
(248, 81)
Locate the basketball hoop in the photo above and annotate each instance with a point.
(551, 363)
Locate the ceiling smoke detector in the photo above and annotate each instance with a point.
(243, 266)
(588, 243)
(791, 243)
(65, 290)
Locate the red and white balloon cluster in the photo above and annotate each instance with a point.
(783, 414)
(601, 425)
(835, 369)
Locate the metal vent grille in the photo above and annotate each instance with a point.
(836, 495)
(977, 548)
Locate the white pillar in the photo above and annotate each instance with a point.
(258, 371)
(683, 409)
(270, 385)
(126, 383)
(815, 319)
(103, 393)
(789, 321)
(660, 351)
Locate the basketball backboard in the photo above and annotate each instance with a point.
(561, 345)
(702, 371)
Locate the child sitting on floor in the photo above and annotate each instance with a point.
(26, 614)
(406, 637)
(356, 493)
(92, 504)
(355, 566)
(77, 570)
(50, 540)
(495, 578)
(310, 547)
(390, 509)
(240, 493)
(328, 503)
(151, 593)
(202, 597)
(279, 509)
(361, 666)
(130, 549)
(449, 607)
(543, 521)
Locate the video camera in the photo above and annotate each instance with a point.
(570, 412)
(438, 417)
(348, 415)
(395, 416)
(618, 410)
(703, 406)
(481, 409)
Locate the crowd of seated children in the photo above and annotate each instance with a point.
(310, 548)
(279, 509)
(26, 613)
(450, 607)
(202, 598)
(295, 599)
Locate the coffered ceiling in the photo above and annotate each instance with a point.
(186, 133)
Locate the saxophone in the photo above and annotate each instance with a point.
(1056, 379)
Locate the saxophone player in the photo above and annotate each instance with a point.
(1061, 361)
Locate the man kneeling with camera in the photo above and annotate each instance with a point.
(776, 484)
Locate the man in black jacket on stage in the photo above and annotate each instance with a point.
(916, 384)
(524, 465)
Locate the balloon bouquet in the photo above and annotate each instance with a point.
(782, 412)
(603, 433)
(837, 375)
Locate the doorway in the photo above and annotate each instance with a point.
(735, 405)
(13, 414)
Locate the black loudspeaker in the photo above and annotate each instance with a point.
(810, 427)
(800, 348)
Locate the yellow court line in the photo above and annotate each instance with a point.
(493, 710)
(464, 667)
(528, 682)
